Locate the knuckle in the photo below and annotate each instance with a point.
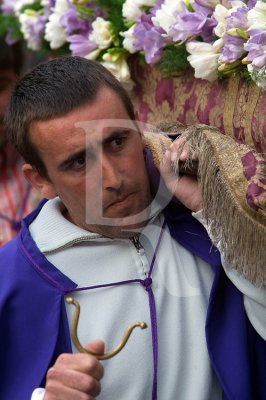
(89, 384)
(101, 371)
(62, 358)
(92, 386)
(50, 390)
(52, 373)
(92, 363)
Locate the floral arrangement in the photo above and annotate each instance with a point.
(215, 38)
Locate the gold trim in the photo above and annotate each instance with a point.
(229, 106)
(253, 97)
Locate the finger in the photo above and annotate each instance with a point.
(85, 363)
(167, 173)
(97, 346)
(181, 153)
(73, 379)
(181, 150)
(58, 391)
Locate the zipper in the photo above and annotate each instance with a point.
(73, 242)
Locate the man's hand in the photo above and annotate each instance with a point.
(184, 188)
(75, 376)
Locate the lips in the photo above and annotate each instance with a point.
(120, 201)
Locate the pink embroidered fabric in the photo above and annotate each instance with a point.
(232, 105)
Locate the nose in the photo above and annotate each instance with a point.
(112, 179)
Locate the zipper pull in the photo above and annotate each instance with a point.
(136, 242)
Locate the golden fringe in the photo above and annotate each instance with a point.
(237, 230)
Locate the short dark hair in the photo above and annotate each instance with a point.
(11, 56)
(51, 89)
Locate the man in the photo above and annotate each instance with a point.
(15, 201)
(110, 237)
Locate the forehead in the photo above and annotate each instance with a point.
(90, 117)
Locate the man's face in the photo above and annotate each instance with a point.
(7, 80)
(95, 166)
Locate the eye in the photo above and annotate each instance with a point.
(79, 162)
(118, 141)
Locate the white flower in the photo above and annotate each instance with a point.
(45, 3)
(19, 4)
(204, 59)
(128, 42)
(93, 54)
(54, 31)
(257, 16)
(220, 14)
(101, 33)
(165, 16)
(119, 69)
(132, 9)
(33, 41)
(259, 77)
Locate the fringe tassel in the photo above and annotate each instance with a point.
(237, 230)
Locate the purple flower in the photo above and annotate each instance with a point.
(206, 3)
(251, 4)
(47, 9)
(148, 38)
(7, 7)
(232, 50)
(192, 24)
(72, 23)
(80, 45)
(153, 46)
(142, 26)
(256, 48)
(238, 19)
(78, 29)
(156, 7)
(10, 37)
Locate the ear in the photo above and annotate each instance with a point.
(43, 185)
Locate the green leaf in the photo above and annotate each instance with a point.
(174, 61)
(10, 24)
(85, 10)
(36, 6)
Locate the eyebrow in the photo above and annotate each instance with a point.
(71, 158)
(88, 151)
(117, 132)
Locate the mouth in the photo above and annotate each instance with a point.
(121, 202)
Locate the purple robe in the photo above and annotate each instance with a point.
(34, 327)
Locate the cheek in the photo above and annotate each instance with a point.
(72, 194)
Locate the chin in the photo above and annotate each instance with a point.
(119, 229)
